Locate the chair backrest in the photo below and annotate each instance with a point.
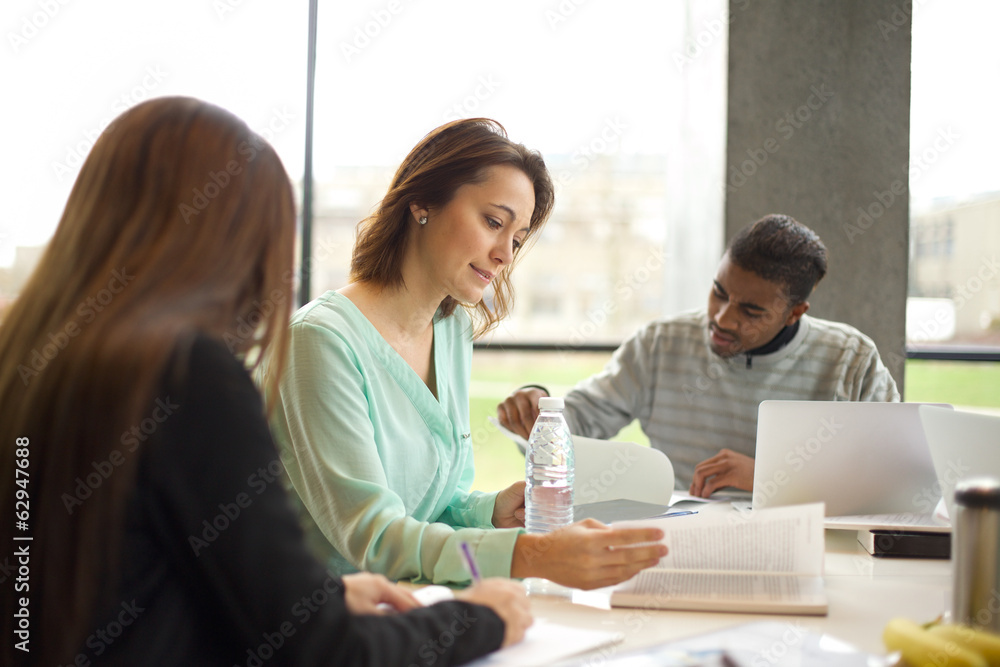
(609, 470)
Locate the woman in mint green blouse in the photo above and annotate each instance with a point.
(373, 410)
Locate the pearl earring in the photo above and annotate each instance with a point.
(423, 220)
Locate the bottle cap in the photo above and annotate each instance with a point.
(551, 403)
(981, 492)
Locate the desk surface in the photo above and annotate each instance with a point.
(864, 593)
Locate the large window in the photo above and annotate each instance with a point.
(67, 69)
(625, 100)
(955, 194)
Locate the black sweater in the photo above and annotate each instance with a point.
(215, 570)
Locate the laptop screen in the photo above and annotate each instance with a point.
(857, 457)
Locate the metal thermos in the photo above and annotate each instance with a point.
(975, 554)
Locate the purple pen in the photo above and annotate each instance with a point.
(470, 562)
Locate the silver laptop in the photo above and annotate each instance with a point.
(857, 457)
(962, 444)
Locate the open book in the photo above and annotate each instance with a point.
(764, 561)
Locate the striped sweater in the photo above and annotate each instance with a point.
(691, 403)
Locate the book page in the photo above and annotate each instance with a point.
(724, 585)
(780, 539)
(746, 592)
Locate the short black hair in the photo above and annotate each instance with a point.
(781, 249)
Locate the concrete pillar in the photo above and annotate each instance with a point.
(818, 128)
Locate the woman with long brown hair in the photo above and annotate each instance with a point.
(381, 457)
(151, 527)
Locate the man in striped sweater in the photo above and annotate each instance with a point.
(694, 381)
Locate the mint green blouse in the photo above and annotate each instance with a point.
(381, 470)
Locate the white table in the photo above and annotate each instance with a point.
(864, 593)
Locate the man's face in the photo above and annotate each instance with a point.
(745, 311)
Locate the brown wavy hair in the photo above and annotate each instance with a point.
(181, 223)
(453, 155)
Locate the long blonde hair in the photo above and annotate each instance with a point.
(453, 155)
(180, 223)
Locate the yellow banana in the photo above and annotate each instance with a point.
(921, 648)
(984, 643)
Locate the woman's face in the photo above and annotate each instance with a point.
(472, 238)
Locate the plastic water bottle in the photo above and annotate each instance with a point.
(548, 496)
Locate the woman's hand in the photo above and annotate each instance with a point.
(587, 554)
(727, 468)
(508, 511)
(365, 592)
(508, 600)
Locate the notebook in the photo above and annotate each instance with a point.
(962, 444)
(858, 458)
(543, 643)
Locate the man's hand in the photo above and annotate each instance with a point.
(727, 468)
(508, 511)
(519, 410)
